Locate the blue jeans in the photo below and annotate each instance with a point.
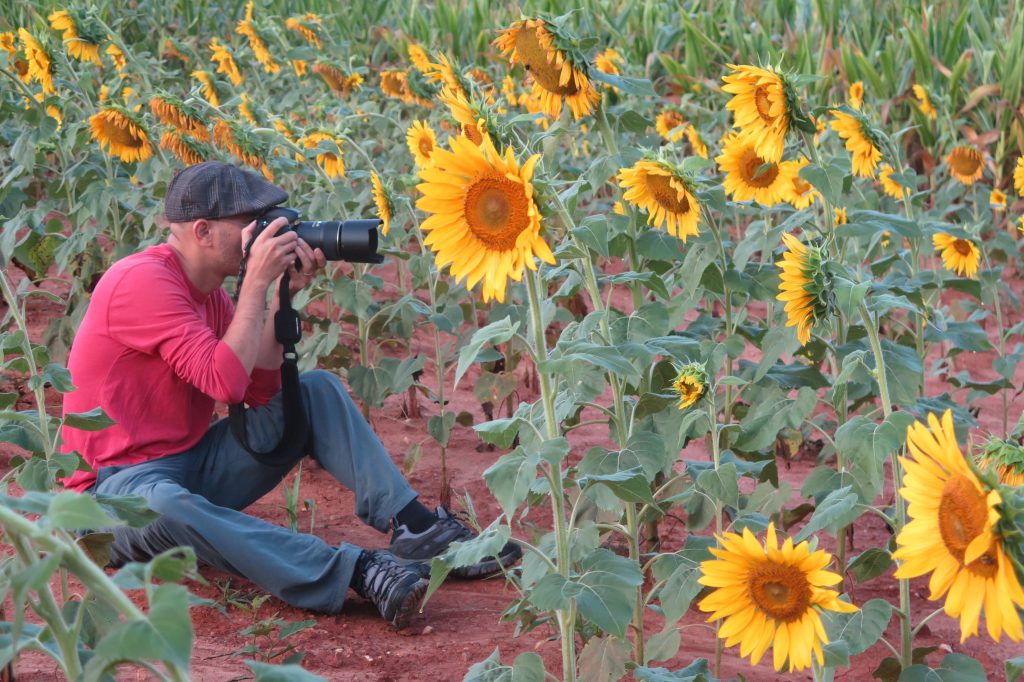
(200, 492)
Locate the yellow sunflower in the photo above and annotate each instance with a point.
(185, 148)
(839, 216)
(418, 57)
(483, 219)
(1006, 457)
(171, 111)
(422, 141)
(857, 95)
(308, 26)
(889, 185)
(82, 47)
(751, 177)
(557, 76)
(395, 84)
(40, 64)
(117, 57)
(966, 164)
(951, 536)
(664, 193)
(172, 51)
(1018, 176)
(801, 193)
(259, 46)
(924, 103)
(802, 286)
(997, 200)
(860, 142)
(771, 596)
(470, 117)
(120, 133)
(609, 62)
(235, 139)
(670, 124)
(225, 61)
(690, 383)
(958, 255)
(205, 79)
(447, 75)
(760, 108)
(333, 163)
(696, 143)
(335, 79)
(383, 201)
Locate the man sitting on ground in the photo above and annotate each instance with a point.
(161, 342)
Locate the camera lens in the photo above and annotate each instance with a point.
(351, 240)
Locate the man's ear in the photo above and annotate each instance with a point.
(202, 230)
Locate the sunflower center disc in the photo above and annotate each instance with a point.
(426, 146)
(963, 247)
(756, 172)
(119, 133)
(763, 104)
(660, 187)
(962, 517)
(497, 212)
(801, 186)
(473, 133)
(673, 119)
(535, 57)
(965, 162)
(782, 592)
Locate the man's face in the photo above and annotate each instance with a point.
(227, 242)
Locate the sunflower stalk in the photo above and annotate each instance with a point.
(553, 473)
(716, 456)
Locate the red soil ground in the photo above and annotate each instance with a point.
(461, 624)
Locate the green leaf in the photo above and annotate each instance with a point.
(440, 427)
(860, 630)
(771, 412)
(168, 614)
(629, 485)
(828, 182)
(488, 543)
(603, 659)
(494, 333)
(132, 509)
(954, 668)
(663, 646)
(528, 667)
(698, 671)
(607, 590)
(870, 564)
(629, 86)
(867, 445)
(838, 509)
(903, 370)
(74, 511)
(593, 232)
(59, 377)
(1014, 669)
(499, 432)
(607, 358)
(510, 478)
(849, 295)
(267, 672)
(93, 420)
(721, 485)
(777, 341)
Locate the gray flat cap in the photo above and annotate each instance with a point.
(214, 189)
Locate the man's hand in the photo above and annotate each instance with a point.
(312, 261)
(271, 254)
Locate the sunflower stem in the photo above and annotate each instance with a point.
(553, 473)
(829, 212)
(716, 460)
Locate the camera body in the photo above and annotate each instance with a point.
(354, 241)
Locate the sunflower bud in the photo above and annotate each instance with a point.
(690, 384)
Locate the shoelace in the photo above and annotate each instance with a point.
(380, 576)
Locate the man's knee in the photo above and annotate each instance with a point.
(318, 381)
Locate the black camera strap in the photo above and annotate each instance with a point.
(295, 438)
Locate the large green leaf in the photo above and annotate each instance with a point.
(859, 630)
(494, 333)
(603, 659)
(954, 668)
(267, 672)
(510, 478)
(838, 509)
(75, 511)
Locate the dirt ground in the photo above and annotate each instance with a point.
(461, 624)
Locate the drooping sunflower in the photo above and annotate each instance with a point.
(670, 124)
(761, 108)
(801, 193)
(483, 219)
(770, 596)
(1018, 176)
(225, 61)
(803, 286)
(924, 103)
(470, 116)
(300, 66)
(117, 57)
(335, 79)
(958, 255)
(558, 74)
(997, 200)
(857, 95)
(889, 184)
(447, 74)
(51, 111)
(422, 141)
(839, 216)
(40, 63)
(690, 383)
(696, 143)
(308, 26)
(79, 33)
(751, 177)
(205, 79)
(966, 164)
(418, 57)
(171, 111)
(246, 28)
(383, 201)
(332, 162)
(861, 142)
(120, 133)
(395, 84)
(173, 51)
(665, 193)
(187, 149)
(235, 139)
(1006, 457)
(609, 61)
(951, 534)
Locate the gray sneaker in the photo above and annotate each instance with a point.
(424, 546)
(395, 590)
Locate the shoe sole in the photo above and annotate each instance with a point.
(410, 605)
(489, 567)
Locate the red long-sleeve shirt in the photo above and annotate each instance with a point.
(149, 352)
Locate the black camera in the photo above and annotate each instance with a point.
(354, 241)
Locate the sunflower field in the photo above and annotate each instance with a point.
(735, 288)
